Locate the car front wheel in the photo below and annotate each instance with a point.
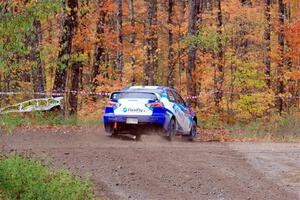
(193, 132)
(171, 132)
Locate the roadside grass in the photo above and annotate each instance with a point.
(275, 128)
(30, 179)
(9, 122)
(278, 129)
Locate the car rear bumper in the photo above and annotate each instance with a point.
(153, 119)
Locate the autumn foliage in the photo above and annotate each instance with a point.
(240, 59)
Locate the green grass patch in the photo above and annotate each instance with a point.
(9, 122)
(30, 179)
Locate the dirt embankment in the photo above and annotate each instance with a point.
(157, 169)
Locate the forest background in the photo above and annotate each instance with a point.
(233, 60)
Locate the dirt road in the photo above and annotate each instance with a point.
(157, 169)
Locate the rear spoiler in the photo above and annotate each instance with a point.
(118, 92)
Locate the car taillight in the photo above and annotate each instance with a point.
(113, 104)
(155, 105)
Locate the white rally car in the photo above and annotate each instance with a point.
(137, 106)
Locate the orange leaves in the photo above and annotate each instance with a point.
(109, 6)
(293, 37)
(242, 32)
(294, 75)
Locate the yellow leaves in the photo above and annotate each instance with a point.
(253, 105)
(68, 10)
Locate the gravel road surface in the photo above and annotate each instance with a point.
(154, 168)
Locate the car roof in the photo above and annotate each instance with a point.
(156, 89)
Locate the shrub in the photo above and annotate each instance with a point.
(29, 179)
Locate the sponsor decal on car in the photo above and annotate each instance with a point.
(134, 110)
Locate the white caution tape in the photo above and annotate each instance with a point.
(57, 93)
(239, 93)
(107, 94)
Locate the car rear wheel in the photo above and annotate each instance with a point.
(193, 132)
(171, 130)
(109, 129)
(137, 137)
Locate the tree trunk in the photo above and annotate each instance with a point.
(209, 5)
(37, 71)
(3, 8)
(132, 41)
(193, 8)
(120, 41)
(99, 53)
(219, 71)
(74, 73)
(4, 79)
(267, 41)
(200, 12)
(70, 74)
(151, 43)
(181, 50)
(111, 55)
(69, 23)
(171, 62)
(73, 82)
(280, 78)
(33, 41)
(287, 13)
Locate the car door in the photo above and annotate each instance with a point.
(181, 112)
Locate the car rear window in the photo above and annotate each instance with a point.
(133, 95)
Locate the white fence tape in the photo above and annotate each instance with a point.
(237, 93)
(57, 93)
(107, 94)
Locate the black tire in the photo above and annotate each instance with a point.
(109, 129)
(171, 132)
(193, 132)
(138, 137)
